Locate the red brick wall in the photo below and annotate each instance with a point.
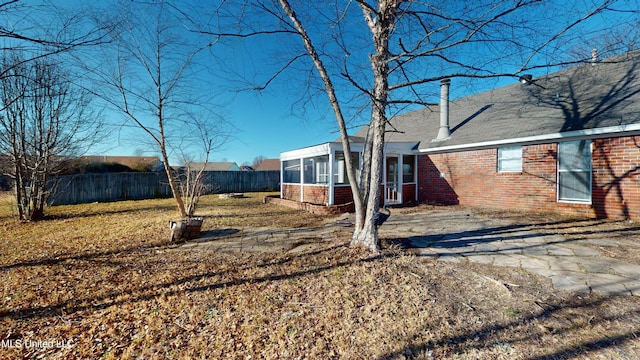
(342, 194)
(312, 194)
(313, 208)
(316, 194)
(616, 180)
(408, 193)
(291, 192)
(471, 178)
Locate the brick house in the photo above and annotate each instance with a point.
(567, 142)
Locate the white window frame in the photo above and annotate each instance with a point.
(562, 169)
(413, 166)
(502, 157)
(315, 170)
(322, 172)
(340, 176)
(289, 166)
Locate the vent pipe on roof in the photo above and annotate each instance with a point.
(443, 132)
(526, 79)
(594, 56)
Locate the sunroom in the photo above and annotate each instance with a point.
(317, 174)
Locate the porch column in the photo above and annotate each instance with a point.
(332, 154)
(301, 179)
(400, 174)
(384, 179)
(281, 178)
(415, 177)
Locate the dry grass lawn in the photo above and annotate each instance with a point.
(101, 281)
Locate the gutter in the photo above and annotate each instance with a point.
(604, 132)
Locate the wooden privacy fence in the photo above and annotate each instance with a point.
(242, 181)
(103, 187)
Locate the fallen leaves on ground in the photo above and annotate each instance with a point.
(101, 281)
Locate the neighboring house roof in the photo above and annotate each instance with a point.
(589, 100)
(216, 166)
(268, 164)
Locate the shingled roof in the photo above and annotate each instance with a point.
(215, 166)
(592, 99)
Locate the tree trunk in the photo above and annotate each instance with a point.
(380, 27)
(366, 235)
(358, 199)
(174, 187)
(366, 194)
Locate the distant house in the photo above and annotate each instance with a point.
(567, 142)
(246, 168)
(268, 164)
(216, 166)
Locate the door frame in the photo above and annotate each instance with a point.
(392, 190)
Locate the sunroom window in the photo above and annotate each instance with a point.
(574, 171)
(291, 171)
(316, 170)
(510, 159)
(340, 167)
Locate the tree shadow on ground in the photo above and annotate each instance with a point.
(152, 291)
(49, 261)
(530, 328)
(102, 212)
(580, 229)
(480, 337)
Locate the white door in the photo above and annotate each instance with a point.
(392, 190)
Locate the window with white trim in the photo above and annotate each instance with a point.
(316, 170)
(340, 168)
(408, 168)
(291, 171)
(322, 172)
(510, 159)
(574, 171)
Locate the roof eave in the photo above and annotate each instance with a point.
(617, 131)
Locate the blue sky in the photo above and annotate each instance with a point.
(272, 121)
(265, 123)
(266, 126)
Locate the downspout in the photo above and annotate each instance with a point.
(443, 131)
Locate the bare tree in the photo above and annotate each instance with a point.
(151, 76)
(44, 121)
(257, 161)
(191, 179)
(38, 30)
(392, 51)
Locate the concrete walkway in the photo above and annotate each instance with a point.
(457, 235)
